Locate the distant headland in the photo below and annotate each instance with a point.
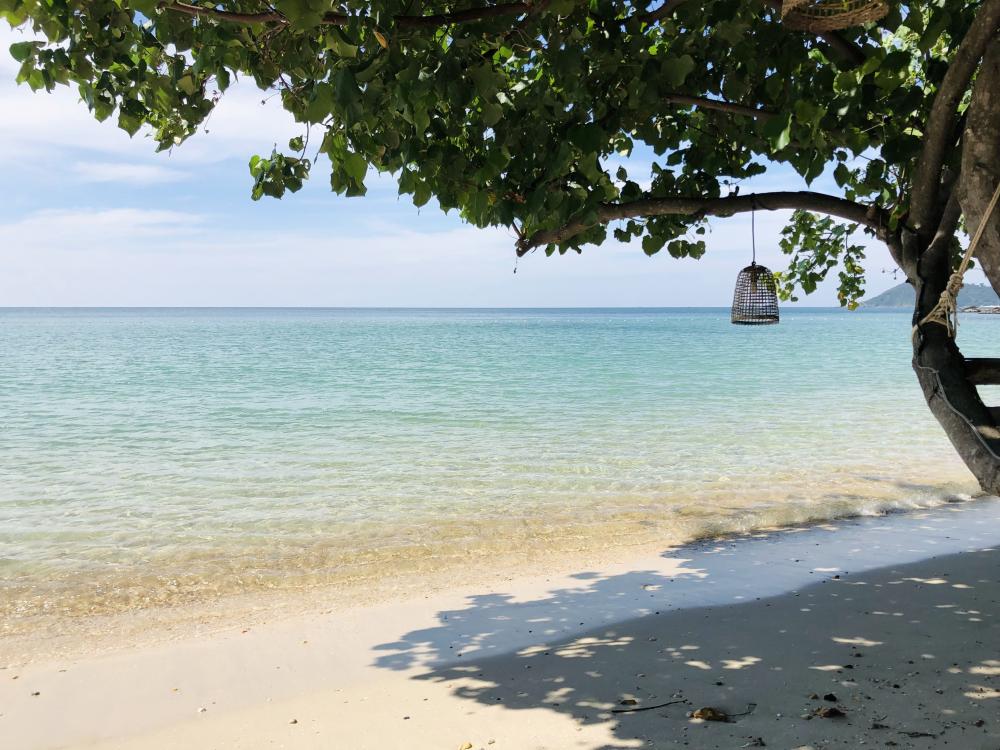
(902, 295)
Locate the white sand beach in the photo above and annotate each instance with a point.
(893, 621)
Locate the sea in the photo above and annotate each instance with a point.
(157, 457)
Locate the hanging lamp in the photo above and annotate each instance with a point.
(818, 16)
(755, 301)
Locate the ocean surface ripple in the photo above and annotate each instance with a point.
(152, 457)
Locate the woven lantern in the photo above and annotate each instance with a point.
(818, 16)
(755, 301)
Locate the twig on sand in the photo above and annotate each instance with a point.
(751, 707)
(645, 708)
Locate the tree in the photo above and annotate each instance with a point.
(512, 114)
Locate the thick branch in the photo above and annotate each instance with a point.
(939, 135)
(981, 161)
(339, 19)
(721, 106)
(872, 217)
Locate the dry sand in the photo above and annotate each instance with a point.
(893, 621)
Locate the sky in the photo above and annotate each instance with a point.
(91, 217)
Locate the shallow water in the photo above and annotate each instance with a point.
(163, 456)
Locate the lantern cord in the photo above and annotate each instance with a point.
(753, 234)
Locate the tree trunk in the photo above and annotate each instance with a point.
(943, 375)
(981, 162)
(941, 369)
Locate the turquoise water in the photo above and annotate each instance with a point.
(160, 456)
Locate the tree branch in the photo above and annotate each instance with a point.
(941, 124)
(873, 217)
(223, 15)
(339, 19)
(719, 105)
(470, 15)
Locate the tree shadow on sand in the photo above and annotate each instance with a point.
(603, 646)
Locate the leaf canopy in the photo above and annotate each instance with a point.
(525, 114)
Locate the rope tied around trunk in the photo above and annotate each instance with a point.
(945, 312)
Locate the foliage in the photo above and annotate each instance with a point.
(527, 118)
(817, 245)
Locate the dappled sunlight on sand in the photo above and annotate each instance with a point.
(857, 641)
(765, 663)
(989, 667)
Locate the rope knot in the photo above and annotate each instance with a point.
(955, 284)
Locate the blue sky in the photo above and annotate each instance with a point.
(92, 217)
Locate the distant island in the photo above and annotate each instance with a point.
(902, 295)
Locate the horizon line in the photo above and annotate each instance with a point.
(417, 307)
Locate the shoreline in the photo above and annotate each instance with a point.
(64, 636)
(397, 651)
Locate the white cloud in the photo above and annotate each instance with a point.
(163, 257)
(130, 257)
(72, 229)
(127, 173)
(153, 257)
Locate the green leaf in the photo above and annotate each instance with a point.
(21, 51)
(421, 194)
(841, 174)
(347, 95)
(677, 69)
(356, 166)
(129, 123)
(652, 244)
(187, 84)
(320, 103)
(491, 114)
(338, 42)
(588, 138)
(778, 130)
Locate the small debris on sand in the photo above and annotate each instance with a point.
(293, 721)
(830, 697)
(829, 712)
(709, 714)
